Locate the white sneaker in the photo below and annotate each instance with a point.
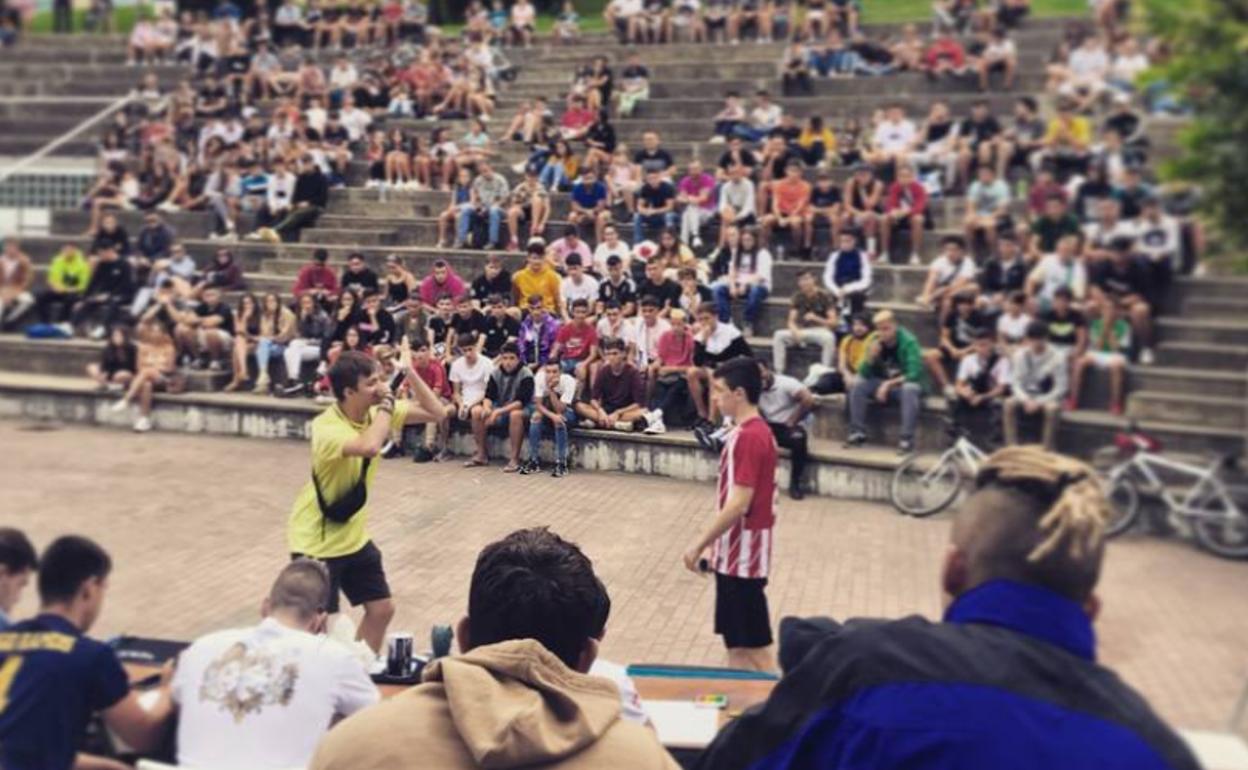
(717, 139)
(142, 425)
(915, 259)
(119, 406)
(99, 332)
(1146, 357)
(655, 427)
(697, 243)
(951, 393)
(169, 206)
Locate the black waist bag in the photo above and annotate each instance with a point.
(340, 511)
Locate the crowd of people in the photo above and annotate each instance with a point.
(659, 269)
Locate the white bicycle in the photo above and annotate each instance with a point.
(922, 488)
(1192, 494)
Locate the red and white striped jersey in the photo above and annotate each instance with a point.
(749, 460)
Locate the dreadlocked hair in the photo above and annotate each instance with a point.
(1074, 503)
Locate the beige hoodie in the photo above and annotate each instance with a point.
(506, 705)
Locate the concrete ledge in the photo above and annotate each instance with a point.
(861, 475)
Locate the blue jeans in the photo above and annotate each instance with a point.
(552, 176)
(642, 221)
(266, 349)
(561, 435)
(750, 134)
(754, 298)
(495, 213)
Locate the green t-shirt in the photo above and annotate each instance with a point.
(308, 532)
(1121, 335)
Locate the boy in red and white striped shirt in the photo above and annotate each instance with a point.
(740, 535)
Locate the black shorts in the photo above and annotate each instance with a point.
(741, 615)
(359, 575)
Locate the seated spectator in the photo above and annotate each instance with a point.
(617, 397)
(559, 250)
(287, 652)
(442, 281)
(666, 378)
(644, 331)
(1064, 268)
(1067, 141)
(312, 326)
(1109, 343)
(534, 606)
(812, 319)
(1000, 54)
(906, 204)
(1159, 241)
(458, 203)
(317, 280)
(488, 199)
(737, 201)
(864, 203)
(246, 335)
(1124, 281)
(748, 278)
(506, 404)
(825, 204)
(893, 138)
(576, 342)
(530, 202)
(576, 120)
(790, 209)
(729, 119)
(892, 371)
(611, 246)
(358, 277)
(787, 405)
(1024, 559)
(617, 287)
(118, 361)
(1068, 327)
(979, 141)
(655, 205)
(538, 333)
(634, 86)
(987, 207)
(109, 291)
(1022, 141)
(849, 357)
(1003, 273)
(761, 119)
(1038, 386)
(17, 563)
(206, 334)
(981, 385)
(469, 377)
(17, 275)
(1013, 322)
(554, 393)
(590, 202)
(950, 274)
(538, 277)
(657, 284)
(437, 432)
(795, 65)
(495, 280)
(945, 57)
(224, 274)
(696, 196)
(440, 330)
(62, 677)
(66, 280)
(715, 342)
(957, 340)
(847, 274)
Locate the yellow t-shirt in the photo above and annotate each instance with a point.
(308, 532)
(544, 283)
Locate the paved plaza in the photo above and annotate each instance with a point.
(196, 527)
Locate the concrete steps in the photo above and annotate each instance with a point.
(1189, 408)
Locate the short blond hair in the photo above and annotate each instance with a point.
(883, 316)
(677, 315)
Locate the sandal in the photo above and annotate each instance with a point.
(476, 462)
(511, 468)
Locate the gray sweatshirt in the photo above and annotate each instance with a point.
(1040, 377)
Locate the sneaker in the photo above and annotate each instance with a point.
(796, 493)
(142, 425)
(214, 366)
(717, 139)
(117, 387)
(951, 393)
(291, 389)
(1146, 357)
(199, 363)
(119, 406)
(98, 332)
(655, 427)
(531, 467)
(915, 259)
(422, 454)
(697, 243)
(441, 457)
(560, 470)
(855, 440)
(905, 447)
(622, 426)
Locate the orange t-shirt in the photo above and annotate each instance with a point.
(792, 196)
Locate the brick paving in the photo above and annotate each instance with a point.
(196, 550)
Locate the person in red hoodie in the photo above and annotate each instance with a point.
(906, 202)
(317, 279)
(442, 281)
(945, 56)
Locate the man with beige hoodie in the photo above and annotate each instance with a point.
(518, 695)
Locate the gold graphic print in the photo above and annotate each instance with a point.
(244, 681)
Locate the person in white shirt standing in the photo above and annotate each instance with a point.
(263, 697)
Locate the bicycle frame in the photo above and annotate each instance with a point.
(1206, 486)
(963, 455)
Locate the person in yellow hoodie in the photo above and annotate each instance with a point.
(519, 694)
(67, 279)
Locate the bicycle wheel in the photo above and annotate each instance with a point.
(919, 491)
(1124, 502)
(1222, 529)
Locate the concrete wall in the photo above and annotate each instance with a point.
(628, 453)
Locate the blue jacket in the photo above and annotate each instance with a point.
(1008, 680)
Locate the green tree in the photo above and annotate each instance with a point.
(1208, 68)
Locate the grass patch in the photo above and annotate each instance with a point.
(877, 12)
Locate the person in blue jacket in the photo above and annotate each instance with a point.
(1008, 679)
